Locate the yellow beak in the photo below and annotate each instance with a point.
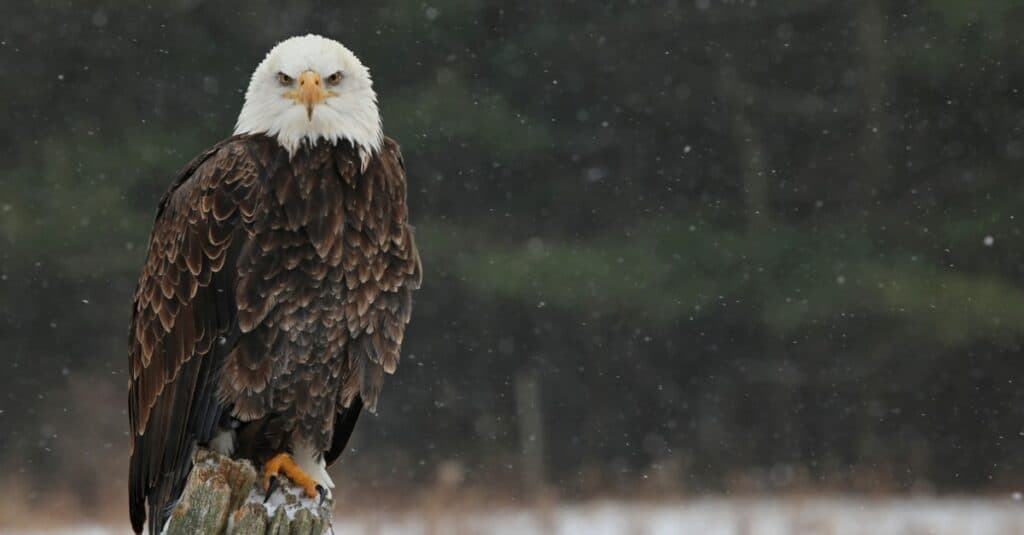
(310, 92)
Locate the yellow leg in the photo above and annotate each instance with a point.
(282, 463)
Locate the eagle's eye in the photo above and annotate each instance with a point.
(284, 79)
(334, 79)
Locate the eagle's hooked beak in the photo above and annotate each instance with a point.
(310, 92)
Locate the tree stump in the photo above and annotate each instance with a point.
(224, 495)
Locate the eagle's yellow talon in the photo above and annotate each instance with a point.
(282, 463)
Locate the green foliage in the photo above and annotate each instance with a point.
(793, 279)
(581, 185)
(448, 112)
(76, 201)
(991, 16)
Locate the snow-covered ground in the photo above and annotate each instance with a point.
(827, 516)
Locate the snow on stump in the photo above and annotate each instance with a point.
(223, 495)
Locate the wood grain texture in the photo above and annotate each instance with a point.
(221, 492)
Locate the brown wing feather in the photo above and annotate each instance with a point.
(183, 320)
(382, 268)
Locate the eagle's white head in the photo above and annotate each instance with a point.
(311, 89)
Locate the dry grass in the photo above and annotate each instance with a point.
(448, 511)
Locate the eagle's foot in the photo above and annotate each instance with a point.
(282, 464)
(270, 487)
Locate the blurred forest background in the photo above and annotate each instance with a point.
(674, 246)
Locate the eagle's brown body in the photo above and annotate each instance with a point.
(274, 298)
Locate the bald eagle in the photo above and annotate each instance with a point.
(277, 284)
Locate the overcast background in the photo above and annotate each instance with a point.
(670, 247)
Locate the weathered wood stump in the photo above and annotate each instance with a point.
(223, 495)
